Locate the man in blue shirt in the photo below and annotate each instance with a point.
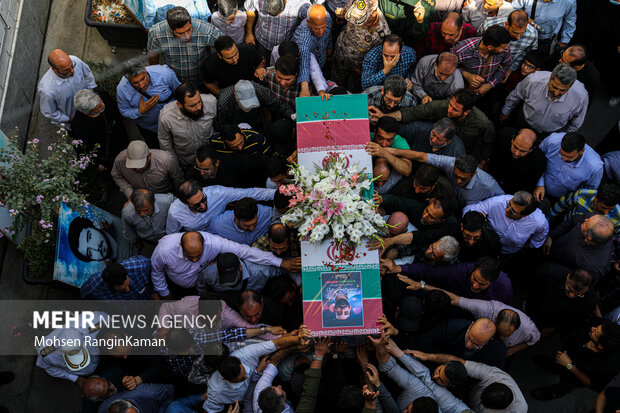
(571, 165)
(129, 280)
(231, 273)
(245, 224)
(313, 37)
(390, 58)
(556, 18)
(197, 206)
(142, 93)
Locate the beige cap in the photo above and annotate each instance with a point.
(359, 11)
(137, 153)
(75, 354)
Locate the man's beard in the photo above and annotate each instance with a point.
(386, 109)
(193, 115)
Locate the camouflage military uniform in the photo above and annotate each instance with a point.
(400, 16)
(353, 44)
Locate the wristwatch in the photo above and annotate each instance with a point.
(315, 357)
(569, 366)
(422, 285)
(262, 330)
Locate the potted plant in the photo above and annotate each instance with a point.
(33, 184)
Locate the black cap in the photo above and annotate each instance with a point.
(228, 269)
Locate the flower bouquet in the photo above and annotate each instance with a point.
(329, 203)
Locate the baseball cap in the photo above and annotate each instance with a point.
(359, 11)
(75, 354)
(137, 152)
(228, 269)
(244, 90)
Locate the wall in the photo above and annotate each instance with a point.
(19, 87)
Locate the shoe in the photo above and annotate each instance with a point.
(548, 393)
(4, 409)
(6, 377)
(613, 101)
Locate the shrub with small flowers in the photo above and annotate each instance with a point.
(32, 187)
(330, 203)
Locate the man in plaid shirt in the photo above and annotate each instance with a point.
(484, 61)
(443, 35)
(188, 345)
(524, 36)
(282, 79)
(129, 280)
(313, 38)
(277, 21)
(390, 58)
(603, 200)
(183, 42)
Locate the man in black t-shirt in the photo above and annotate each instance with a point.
(231, 64)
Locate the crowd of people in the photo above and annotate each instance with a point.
(504, 223)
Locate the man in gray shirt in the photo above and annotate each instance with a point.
(138, 167)
(186, 124)
(436, 77)
(552, 101)
(498, 389)
(514, 327)
(470, 183)
(144, 218)
(439, 138)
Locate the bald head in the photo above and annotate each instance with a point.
(97, 389)
(399, 221)
(479, 334)
(192, 244)
(61, 63)
(381, 171)
(316, 13)
(317, 20)
(600, 229)
(452, 27)
(575, 56)
(523, 143)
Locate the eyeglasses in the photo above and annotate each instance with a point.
(529, 66)
(67, 69)
(195, 206)
(470, 342)
(207, 170)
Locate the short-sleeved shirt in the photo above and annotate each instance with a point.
(270, 30)
(488, 375)
(236, 29)
(399, 142)
(527, 331)
(139, 273)
(184, 58)
(214, 69)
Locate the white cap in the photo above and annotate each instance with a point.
(75, 353)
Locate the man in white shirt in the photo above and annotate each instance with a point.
(60, 83)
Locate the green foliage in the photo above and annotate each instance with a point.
(39, 251)
(107, 78)
(33, 187)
